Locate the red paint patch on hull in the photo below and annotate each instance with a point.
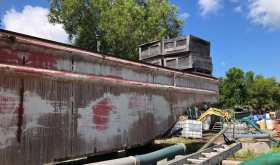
(7, 105)
(39, 60)
(135, 103)
(10, 56)
(101, 112)
(42, 61)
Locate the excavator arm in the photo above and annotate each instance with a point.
(214, 111)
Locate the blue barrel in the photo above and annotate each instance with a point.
(255, 118)
(261, 117)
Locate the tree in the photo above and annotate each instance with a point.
(249, 81)
(251, 89)
(233, 88)
(119, 25)
(266, 93)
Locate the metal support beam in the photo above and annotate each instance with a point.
(210, 156)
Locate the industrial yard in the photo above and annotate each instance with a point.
(130, 86)
(124, 111)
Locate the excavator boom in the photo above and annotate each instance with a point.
(214, 111)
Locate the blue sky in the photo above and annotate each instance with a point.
(243, 33)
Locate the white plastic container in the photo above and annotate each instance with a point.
(267, 115)
(192, 129)
(235, 129)
(262, 124)
(269, 124)
(206, 124)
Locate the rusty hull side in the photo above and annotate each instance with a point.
(59, 102)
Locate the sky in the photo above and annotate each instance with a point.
(243, 33)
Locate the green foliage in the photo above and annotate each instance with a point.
(265, 93)
(249, 89)
(121, 25)
(233, 87)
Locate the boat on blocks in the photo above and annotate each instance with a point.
(59, 102)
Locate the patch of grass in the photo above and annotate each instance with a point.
(250, 154)
(276, 149)
(246, 155)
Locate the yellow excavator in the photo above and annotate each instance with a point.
(214, 111)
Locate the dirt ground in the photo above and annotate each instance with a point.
(207, 135)
(272, 132)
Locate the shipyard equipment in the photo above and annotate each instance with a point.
(214, 111)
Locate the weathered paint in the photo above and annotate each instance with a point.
(59, 102)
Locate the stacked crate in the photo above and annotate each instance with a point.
(188, 53)
(234, 130)
(191, 128)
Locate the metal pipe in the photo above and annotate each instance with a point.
(156, 156)
(258, 136)
(147, 159)
(213, 139)
(190, 113)
(196, 115)
(234, 120)
(257, 128)
(271, 159)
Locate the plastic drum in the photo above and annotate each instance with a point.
(265, 120)
(261, 116)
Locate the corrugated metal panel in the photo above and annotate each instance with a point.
(59, 102)
(35, 120)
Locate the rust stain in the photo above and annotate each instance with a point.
(20, 111)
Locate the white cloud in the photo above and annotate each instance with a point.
(33, 21)
(265, 12)
(209, 7)
(223, 63)
(183, 15)
(238, 9)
